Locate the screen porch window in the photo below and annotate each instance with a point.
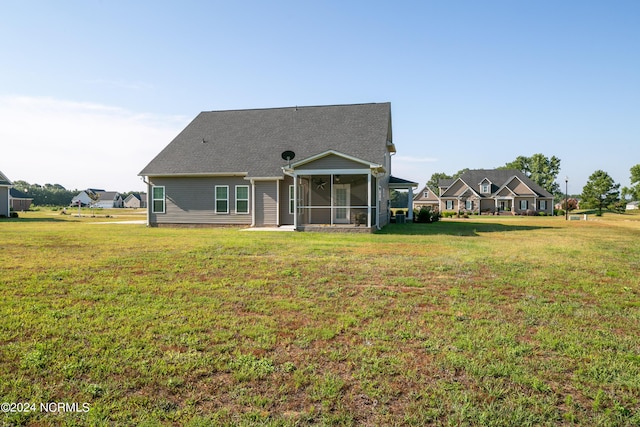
(222, 199)
(157, 199)
(242, 199)
(292, 199)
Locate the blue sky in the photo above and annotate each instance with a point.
(93, 89)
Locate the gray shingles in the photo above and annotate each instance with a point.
(252, 141)
(4, 180)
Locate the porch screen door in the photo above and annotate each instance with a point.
(342, 199)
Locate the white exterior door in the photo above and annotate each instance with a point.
(341, 202)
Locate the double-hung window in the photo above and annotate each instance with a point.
(222, 199)
(543, 205)
(242, 199)
(449, 204)
(157, 199)
(524, 204)
(468, 205)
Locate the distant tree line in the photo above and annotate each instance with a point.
(52, 194)
(46, 195)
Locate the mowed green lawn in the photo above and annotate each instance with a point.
(483, 321)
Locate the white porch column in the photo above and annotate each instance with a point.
(369, 199)
(295, 201)
(410, 204)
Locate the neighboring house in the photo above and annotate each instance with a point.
(136, 201)
(85, 198)
(5, 185)
(19, 201)
(108, 199)
(426, 197)
(96, 198)
(308, 167)
(495, 190)
(632, 205)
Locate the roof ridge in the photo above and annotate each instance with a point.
(296, 107)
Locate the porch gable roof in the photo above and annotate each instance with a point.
(328, 153)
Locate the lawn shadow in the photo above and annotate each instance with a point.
(453, 228)
(39, 219)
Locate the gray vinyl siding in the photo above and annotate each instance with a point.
(266, 199)
(4, 201)
(332, 162)
(191, 200)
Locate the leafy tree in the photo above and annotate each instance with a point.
(569, 204)
(633, 192)
(46, 195)
(600, 191)
(399, 199)
(540, 169)
(436, 177)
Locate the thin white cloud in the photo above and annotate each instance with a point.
(79, 144)
(120, 84)
(415, 159)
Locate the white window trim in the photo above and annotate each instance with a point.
(543, 205)
(484, 188)
(163, 199)
(525, 203)
(215, 199)
(468, 204)
(242, 200)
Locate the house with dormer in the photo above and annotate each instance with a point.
(495, 191)
(427, 198)
(311, 168)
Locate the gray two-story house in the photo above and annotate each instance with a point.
(307, 167)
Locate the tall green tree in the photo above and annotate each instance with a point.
(600, 192)
(436, 177)
(540, 169)
(633, 192)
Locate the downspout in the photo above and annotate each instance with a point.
(369, 199)
(253, 202)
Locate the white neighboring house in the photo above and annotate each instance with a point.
(108, 199)
(98, 199)
(632, 205)
(5, 185)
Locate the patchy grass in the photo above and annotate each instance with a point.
(483, 321)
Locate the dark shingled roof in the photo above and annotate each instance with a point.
(252, 141)
(4, 180)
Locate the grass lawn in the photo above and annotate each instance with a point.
(482, 321)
